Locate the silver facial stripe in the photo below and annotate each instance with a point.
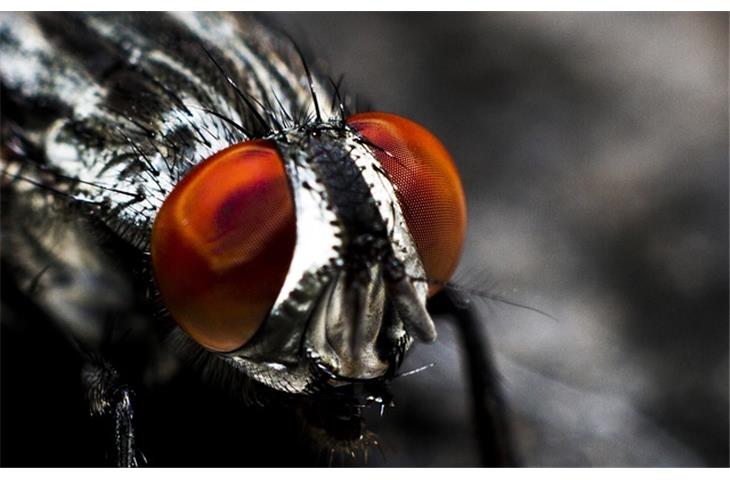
(274, 355)
(383, 192)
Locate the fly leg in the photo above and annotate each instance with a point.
(489, 409)
(108, 398)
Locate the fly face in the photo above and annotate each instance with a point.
(293, 258)
(339, 319)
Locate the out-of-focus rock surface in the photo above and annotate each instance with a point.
(594, 154)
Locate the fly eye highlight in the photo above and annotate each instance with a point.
(428, 187)
(222, 243)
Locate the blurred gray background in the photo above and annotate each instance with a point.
(594, 154)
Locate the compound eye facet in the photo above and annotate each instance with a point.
(222, 244)
(428, 187)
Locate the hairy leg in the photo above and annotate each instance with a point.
(489, 409)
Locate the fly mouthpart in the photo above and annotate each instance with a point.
(346, 329)
(362, 325)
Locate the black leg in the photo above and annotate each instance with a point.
(124, 430)
(107, 398)
(490, 412)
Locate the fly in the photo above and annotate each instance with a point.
(184, 186)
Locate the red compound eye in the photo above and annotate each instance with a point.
(222, 243)
(429, 188)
